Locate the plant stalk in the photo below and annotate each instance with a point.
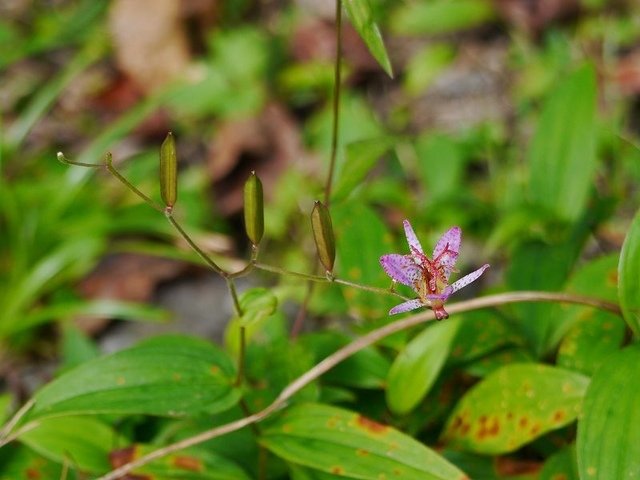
(347, 351)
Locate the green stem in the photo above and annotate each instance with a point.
(350, 349)
(214, 266)
(282, 271)
(325, 279)
(336, 103)
(234, 295)
(249, 266)
(241, 355)
(108, 164)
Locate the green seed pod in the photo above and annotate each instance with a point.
(169, 171)
(323, 235)
(253, 209)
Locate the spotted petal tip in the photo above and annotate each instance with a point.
(412, 239)
(406, 307)
(467, 279)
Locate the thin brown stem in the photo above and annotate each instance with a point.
(337, 81)
(302, 311)
(347, 351)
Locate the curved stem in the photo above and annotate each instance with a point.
(336, 104)
(340, 355)
(249, 266)
(201, 253)
(108, 164)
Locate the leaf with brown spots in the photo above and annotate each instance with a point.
(608, 444)
(189, 464)
(590, 341)
(340, 442)
(21, 463)
(513, 406)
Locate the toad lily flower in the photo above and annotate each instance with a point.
(429, 277)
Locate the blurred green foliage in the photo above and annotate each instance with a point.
(537, 161)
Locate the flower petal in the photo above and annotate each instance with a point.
(412, 240)
(401, 268)
(406, 306)
(446, 293)
(467, 279)
(449, 240)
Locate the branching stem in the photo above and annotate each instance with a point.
(347, 351)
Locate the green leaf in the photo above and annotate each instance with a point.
(590, 341)
(513, 406)
(538, 266)
(482, 332)
(21, 463)
(495, 360)
(440, 166)
(257, 304)
(361, 17)
(425, 66)
(361, 156)
(76, 347)
(302, 473)
(417, 367)
(563, 149)
(596, 278)
(440, 16)
(273, 366)
(561, 466)
(367, 368)
(608, 444)
(628, 277)
(189, 464)
(361, 239)
(345, 443)
(168, 376)
(80, 441)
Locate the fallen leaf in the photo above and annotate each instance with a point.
(149, 40)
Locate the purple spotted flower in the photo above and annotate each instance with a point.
(429, 277)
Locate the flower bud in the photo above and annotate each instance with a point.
(253, 209)
(323, 235)
(168, 171)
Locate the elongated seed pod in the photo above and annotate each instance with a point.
(253, 209)
(169, 171)
(323, 235)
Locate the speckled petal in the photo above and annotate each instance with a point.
(406, 306)
(467, 279)
(450, 239)
(412, 240)
(401, 268)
